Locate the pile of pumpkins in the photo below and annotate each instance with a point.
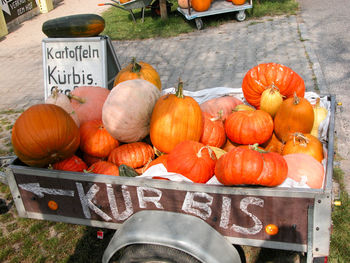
(203, 5)
(270, 136)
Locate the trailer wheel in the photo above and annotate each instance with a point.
(149, 253)
(199, 23)
(240, 16)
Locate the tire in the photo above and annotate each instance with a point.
(241, 16)
(148, 253)
(199, 23)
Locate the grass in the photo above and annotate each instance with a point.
(120, 26)
(340, 239)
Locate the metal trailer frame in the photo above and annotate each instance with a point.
(30, 202)
(217, 7)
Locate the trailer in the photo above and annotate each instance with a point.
(217, 7)
(178, 221)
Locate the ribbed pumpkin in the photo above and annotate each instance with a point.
(221, 105)
(95, 139)
(200, 5)
(44, 134)
(87, 102)
(138, 70)
(193, 160)
(246, 165)
(135, 154)
(104, 167)
(294, 115)
(175, 118)
(127, 111)
(266, 75)
(273, 144)
(305, 169)
(213, 131)
(72, 164)
(159, 160)
(249, 127)
(304, 143)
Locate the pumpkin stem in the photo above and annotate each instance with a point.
(211, 152)
(179, 91)
(301, 138)
(255, 147)
(136, 67)
(296, 99)
(217, 117)
(77, 98)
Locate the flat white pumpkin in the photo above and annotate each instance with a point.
(127, 110)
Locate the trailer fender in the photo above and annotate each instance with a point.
(183, 232)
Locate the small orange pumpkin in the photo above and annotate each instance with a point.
(72, 164)
(213, 131)
(294, 115)
(138, 70)
(304, 143)
(135, 154)
(193, 160)
(95, 139)
(200, 5)
(104, 167)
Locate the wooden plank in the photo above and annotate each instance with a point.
(240, 216)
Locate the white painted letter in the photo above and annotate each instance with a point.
(225, 212)
(190, 205)
(113, 204)
(245, 202)
(153, 199)
(86, 202)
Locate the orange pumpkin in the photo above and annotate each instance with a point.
(44, 134)
(104, 167)
(249, 127)
(135, 154)
(72, 164)
(304, 143)
(252, 166)
(228, 146)
(200, 5)
(273, 144)
(95, 139)
(193, 160)
(294, 115)
(138, 70)
(213, 131)
(175, 118)
(238, 2)
(160, 159)
(264, 76)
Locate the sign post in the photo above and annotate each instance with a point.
(72, 62)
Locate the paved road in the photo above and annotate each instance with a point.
(328, 24)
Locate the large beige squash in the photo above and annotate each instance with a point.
(127, 110)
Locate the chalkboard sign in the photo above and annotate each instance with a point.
(72, 62)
